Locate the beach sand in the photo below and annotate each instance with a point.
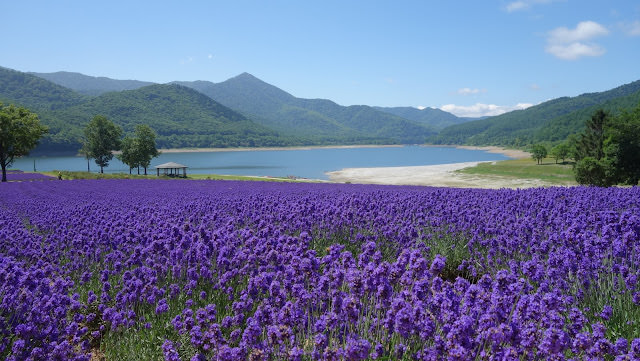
(441, 175)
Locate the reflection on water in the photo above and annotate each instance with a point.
(306, 163)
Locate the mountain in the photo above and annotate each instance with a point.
(550, 121)
(35, 93)
(435, 118)
(90, 85)
(181, 116)
(312, 119)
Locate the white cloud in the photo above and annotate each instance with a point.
(421, 107)
(585, 30)
(482, 110)
(571, 44)
(469, 91)
(517, 5)
(574, 51)
(525, 4)
(632, 29)
(210, 56)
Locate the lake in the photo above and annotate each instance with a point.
(307, 163)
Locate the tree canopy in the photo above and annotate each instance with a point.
(138, 151)
(102, 137)
(20, 131)
(607, 152)
(538, 152)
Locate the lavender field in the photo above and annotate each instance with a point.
(225, 270)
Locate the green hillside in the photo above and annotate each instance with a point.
(35, 93)
(431, 117)
(91, 85)
(550, 121)
(181, 116)
(314, 119)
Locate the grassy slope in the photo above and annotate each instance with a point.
(548, 171)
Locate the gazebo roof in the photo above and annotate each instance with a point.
(170, 165)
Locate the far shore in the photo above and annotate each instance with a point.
(253, 149)
(511, 153)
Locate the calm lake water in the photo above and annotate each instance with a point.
(307, 163)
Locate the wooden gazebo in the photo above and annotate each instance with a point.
(172, 169)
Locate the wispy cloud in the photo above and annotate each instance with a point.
(482, 110)
(572, 44)
(525, 4)
(469, 91)
(631, 29)
(534, 86)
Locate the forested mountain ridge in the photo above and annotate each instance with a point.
(432, 117)
(181, 116)
(91, 85)
(279, 110)
(565, 115)
(34, 92)
(268, 115)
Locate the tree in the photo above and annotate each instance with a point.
(146, 146)
(20, 131)
(622, 147)
(102, 137)
(86, 153)
(560, 151)
(591, 171)
(538, 152)
(590, 143)
(129, 154)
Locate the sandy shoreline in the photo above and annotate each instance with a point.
(511, 153)
(440, 175)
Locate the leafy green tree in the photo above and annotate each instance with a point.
(129, 153)
(20, 131)
(560, 151)
(102, 137)
(591, 171)
(86, 153)
(538, 152)
(590, 143)
(145, 146)
(622, 147)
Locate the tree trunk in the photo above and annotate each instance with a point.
(101, 169)
(138, 170)
(88, 169)
(130, 170)
(4, 171)
(145, 170)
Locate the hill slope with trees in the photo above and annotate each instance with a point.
(181, 116)
(91, 85)
(279, 110)
(431, 117)
(538, 123)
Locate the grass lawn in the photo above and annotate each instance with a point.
(548, 171)
(92, 175)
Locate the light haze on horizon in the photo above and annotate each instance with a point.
(471, 58)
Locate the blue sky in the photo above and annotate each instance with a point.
(468, 57)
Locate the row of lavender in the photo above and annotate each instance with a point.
(250, 270)
(18, 175)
